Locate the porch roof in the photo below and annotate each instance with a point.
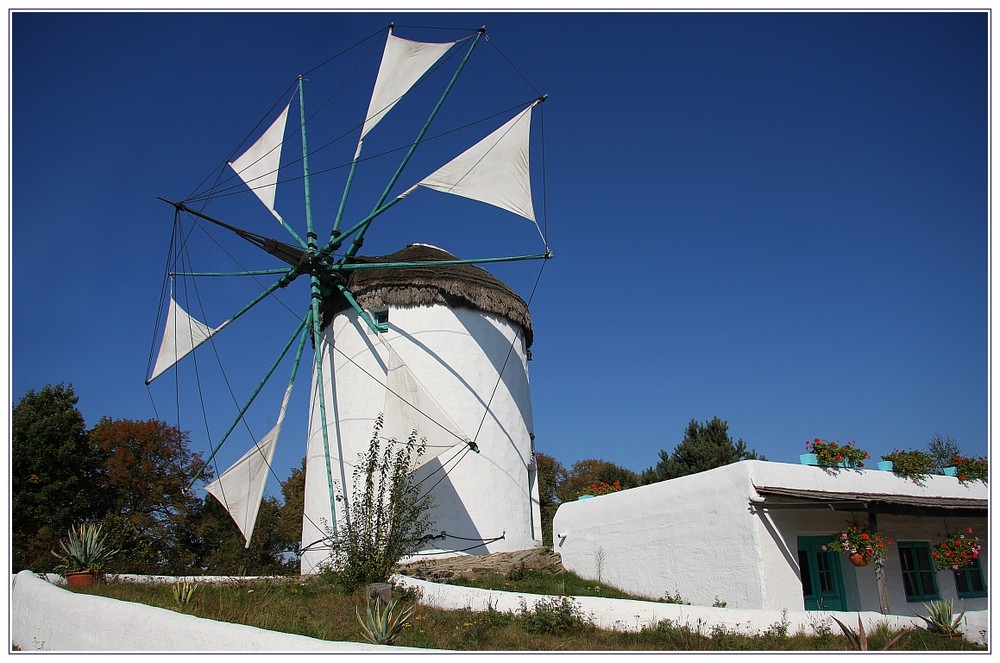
(781, 497)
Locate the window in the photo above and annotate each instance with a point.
(969, 581)
(919, 577)
(381, 318)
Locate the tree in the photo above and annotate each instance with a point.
(943, 450)
(705, 446)
(221, 548)
(585, 472)
(551, 475)
(54, 475)
(290, 519)
(152, 515)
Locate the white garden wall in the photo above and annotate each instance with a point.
(697, 536)
(46, 617)
(625, 615)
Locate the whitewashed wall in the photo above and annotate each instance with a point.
(46, 617)
(457, 354)
(697, 536)
(630, 616)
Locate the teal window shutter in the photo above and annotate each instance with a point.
(919, 576)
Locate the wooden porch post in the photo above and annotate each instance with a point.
(883, 592)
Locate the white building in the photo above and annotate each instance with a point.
(750, 534)
(457, 338)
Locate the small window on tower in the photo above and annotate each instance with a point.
(381, 319)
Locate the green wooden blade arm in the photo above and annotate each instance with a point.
(298, 330)
(359, 239)
(347, 267)
(249, 272)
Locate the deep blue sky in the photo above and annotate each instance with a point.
(779, 219)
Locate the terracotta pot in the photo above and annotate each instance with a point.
(858, 560)
(84, 578)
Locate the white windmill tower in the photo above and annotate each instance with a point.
(428, 340)
(454, 353)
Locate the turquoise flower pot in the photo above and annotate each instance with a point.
(808, 459)
(885, 465)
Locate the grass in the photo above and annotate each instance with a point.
(317, 608)
(531, 581)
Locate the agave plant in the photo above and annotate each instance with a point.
(939, 618)
(184, 591)
(84, 549)
(381, 626)
(859, 640)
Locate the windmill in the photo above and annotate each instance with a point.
(429, 340)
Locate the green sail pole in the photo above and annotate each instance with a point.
(359, 239)
(290, 275)
(316, 296)
(335, 243)
(310, 234)
(343, 200)
(249, 272)
(437, 263)
(357, 307)
(302, 345)
(318, 370)
(249, 402)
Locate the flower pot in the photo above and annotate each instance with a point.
(585, 497)
(83, 578)
(949, 471)
(857, 560)
(808, 459)
(885, 465)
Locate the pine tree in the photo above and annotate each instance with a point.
(704, 447)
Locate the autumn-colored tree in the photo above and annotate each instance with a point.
(54, 475)
(152, 514)
(585, 472)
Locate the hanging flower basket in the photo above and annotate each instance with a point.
(956, 551)
(860, 545)
(857, 559)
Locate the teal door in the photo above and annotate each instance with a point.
(822, 582)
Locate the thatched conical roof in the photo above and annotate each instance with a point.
(456, 286)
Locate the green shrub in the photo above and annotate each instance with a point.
(554, 614)
(387, 516)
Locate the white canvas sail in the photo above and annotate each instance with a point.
(409, 406)
(181, 335)
(403, 63)
(240, 489)
(495, 170)
(258, 166)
